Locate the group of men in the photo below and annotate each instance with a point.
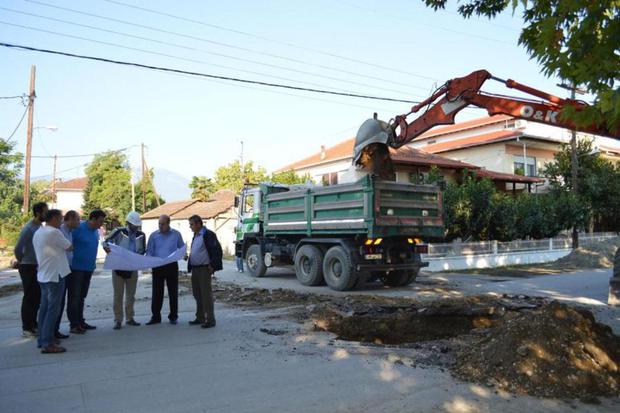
(56, 257)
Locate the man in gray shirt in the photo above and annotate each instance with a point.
(27, 267)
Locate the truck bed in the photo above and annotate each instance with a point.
(371, 207)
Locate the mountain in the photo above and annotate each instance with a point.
(171, 186)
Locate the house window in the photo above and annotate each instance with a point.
(529, 169)
(330, 179)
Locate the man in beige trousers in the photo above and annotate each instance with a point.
(125, 283)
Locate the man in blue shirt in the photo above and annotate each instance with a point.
(85, 246)
(161, 244)
(71, 221)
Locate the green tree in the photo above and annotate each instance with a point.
(468, 208)
(290, 177)
(11, 191)
(152, 197)
(202, 187)
(109, 186)
(599, 186)
(575, 40)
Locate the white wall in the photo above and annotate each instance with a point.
(464, 262)
(317, 171)
(67, 200)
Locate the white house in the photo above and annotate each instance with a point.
(70, 194)
(218, 214)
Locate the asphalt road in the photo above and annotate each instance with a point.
(237, 368)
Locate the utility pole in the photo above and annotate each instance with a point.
(31, 97)
(574, 159)
(54, 181)
(133, 192)
(142, 184)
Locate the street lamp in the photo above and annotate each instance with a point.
(52, 128)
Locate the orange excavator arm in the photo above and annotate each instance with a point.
(458, 93)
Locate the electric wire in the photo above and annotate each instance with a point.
(200, 74)
(202, 39)
(247, 34)
(194, 49)
(8, 140)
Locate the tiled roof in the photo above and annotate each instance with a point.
(169, 208)
(77, 184)
(461, 126)
(470, 141)
(342, 150)
(220, 202)
(504, 177)
(410, 156)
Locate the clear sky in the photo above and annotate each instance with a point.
(191, 125)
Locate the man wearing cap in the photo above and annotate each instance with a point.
(124, 283)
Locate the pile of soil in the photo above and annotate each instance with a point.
(599, 255)
(554, 351)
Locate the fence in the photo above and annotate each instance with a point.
(485, 254)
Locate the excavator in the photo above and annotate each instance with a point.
(371, 153)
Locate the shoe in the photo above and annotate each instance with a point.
(173, 322)
(117, 325)
(196, 322)
(209, 324)
(60, 335)
(151, 322)
(132, 322)
(29, 334)
(53, 349)
(77, 330)
(87, 326)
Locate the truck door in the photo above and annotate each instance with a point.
(249, 212)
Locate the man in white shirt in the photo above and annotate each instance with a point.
(50, 247)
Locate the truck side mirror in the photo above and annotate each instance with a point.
(237, 202)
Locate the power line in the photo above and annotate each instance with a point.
(207, 75)
(202, 39)
(85, 154)
(194, 49)
(13, 97)
(18, 125)
(247, 34)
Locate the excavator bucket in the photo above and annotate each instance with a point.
(371, 151)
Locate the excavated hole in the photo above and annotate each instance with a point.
(400, 326)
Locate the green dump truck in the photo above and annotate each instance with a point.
(343, 235)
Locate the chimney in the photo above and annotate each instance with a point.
(322, 152)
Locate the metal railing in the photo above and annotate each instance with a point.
(454, 249)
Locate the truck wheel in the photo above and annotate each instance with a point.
(309, 265)
(255, 261)
(337, 269)
(400, 278)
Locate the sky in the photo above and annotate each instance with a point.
(191, 126)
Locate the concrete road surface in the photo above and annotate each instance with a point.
(235, 367)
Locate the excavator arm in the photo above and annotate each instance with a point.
(458, 93)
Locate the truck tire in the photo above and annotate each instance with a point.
(337, 269)
(255, 261)
(400, 278)
(309, 265)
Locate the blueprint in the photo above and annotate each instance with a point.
(121, 259)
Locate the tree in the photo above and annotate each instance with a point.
(290, 177)
(109, 186)
(468, 208)
(599, 183)
(11, 190)
(202, 187)
(575, 40)
(151, 196)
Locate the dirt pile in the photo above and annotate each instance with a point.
(599, 255)
(554, 351)
(405, 321)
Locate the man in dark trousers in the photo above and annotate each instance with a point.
(71, 221)
(85, 246)
(205, 258)
(27, 267)
(161, 244)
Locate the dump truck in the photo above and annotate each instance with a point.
(342, 235)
